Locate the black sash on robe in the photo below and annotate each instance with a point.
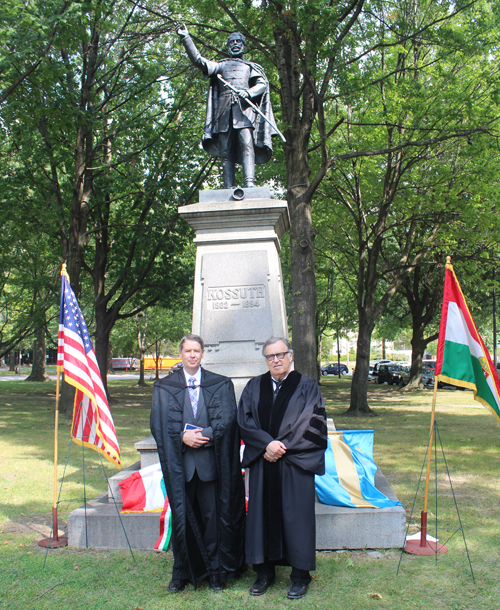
(270, 416)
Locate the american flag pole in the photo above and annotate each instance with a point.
(92, 424)
(54, 541)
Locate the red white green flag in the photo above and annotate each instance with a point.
(462, 357)
(144, 492)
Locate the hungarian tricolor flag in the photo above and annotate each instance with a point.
(144, 492)
(462, 357)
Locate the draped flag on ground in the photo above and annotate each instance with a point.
(144, 491)
(92, 421)
(349, 479)
(462, 357)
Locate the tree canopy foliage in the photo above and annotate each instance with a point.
(390, 113)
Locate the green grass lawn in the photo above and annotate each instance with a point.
(111, 580)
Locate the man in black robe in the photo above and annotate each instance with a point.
(283, 424)
(194, 423)
(233, 130)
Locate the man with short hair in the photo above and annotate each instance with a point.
(283, 424)
(194, 423)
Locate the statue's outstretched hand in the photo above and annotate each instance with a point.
(181, 29)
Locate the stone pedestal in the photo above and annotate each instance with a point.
(337, 527)
(238, 288)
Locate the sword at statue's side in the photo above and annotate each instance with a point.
(252, 105)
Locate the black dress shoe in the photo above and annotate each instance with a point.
(261, 585)
(297, 590)
(176, 586)
(216, 585)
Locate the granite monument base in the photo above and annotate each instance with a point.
(238, 298)
(99, 526)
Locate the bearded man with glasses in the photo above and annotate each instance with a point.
(283, 424)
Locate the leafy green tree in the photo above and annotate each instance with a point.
(394, 199)
(324, 59)
(104, 154)
(27, 30)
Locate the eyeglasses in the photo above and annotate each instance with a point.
(279, 356)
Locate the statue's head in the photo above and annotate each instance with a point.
(236, 44)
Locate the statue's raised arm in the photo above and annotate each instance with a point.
(191, 50)
(233, 130)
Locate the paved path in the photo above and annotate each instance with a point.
(23, 377)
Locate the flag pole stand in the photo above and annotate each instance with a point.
(54, 541)
(425, 546)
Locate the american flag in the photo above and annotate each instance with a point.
(92, 421)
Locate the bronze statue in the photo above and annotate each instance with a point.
(239, 123)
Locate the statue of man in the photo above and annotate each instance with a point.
(233, 130)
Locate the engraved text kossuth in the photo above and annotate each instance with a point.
(236, 297)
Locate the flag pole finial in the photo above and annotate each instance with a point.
(63, 270)
(448, 263)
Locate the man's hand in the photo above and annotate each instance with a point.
(194, 439)
(181, 29)
(243, 93)
(274, 451)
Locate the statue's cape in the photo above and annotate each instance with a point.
(262, 130)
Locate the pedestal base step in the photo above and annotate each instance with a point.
(337, 527)
(99, 526)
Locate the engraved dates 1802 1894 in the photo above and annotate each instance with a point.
(236, 297)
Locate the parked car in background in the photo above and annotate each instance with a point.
(427, 376)
(176, 367)
(376, 365)
(390, 373)
(124, 364)
(333, 369)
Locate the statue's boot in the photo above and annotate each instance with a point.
(228, 175)
(249, 168)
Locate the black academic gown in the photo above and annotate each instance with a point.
(281, 516)
(166, 426)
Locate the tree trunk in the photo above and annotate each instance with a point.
(101, 345)
(423, 294)
(82, 186)
(157, 368)
(303, 288)
(38, 370)
(359, 387)
(141, 369)
(109, 367)
(12, 360)
(303, 280)
(141, 343)
(418, 345)
(298, 114)
(66, 400)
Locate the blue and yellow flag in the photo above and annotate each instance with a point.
(349, 479)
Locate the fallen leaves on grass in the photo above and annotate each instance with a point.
(374, 595)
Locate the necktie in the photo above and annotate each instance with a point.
(277, 386)
(193, 395)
